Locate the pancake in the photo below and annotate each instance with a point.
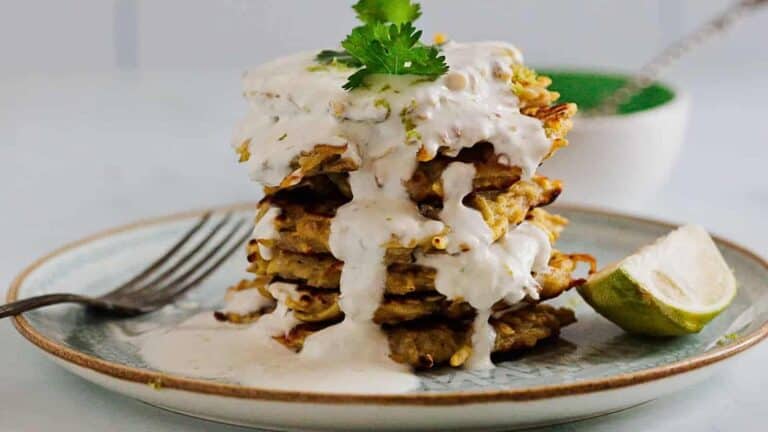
(409, 296)
(322, 270)
(425, 344)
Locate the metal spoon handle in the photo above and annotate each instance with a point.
(649, 73)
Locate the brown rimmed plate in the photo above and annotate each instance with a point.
(593, 369)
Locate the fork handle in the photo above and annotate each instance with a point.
(28, 304)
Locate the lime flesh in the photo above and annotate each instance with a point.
(672, 287)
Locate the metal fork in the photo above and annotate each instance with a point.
(154, 288)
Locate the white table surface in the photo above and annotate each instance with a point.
(81, 153)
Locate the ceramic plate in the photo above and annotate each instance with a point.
(593, 369)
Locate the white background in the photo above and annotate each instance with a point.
(116, 110)
(78, 35)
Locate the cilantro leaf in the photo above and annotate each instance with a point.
(388, 43)
(387, 11)
(329, 57)
(391, 49)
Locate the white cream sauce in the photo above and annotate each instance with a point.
(468, 228)
(385, 129)
(294, 106)
(245, 301)
(480, 271)
(203, 347)
(265, 229)
(281, 320)
(363, 227)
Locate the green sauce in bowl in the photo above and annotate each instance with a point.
(588, 89)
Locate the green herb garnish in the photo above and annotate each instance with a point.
(330, 57)
(388, 43)
(391, 49)
(387, 11)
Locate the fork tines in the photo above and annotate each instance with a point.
(194, 257)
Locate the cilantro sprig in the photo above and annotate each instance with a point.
(387, 43)
(387, 11)
(391, 49)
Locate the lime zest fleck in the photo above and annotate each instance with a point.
(405, 117)
(727, 338)
(412, 136)
(383, 103)
(422, 80)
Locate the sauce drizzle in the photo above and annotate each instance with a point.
(385, 129)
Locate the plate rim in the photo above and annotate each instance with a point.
(194, 385)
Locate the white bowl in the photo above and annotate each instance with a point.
(621, 161)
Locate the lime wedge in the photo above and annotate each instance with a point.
(674, 286)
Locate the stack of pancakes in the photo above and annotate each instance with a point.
(424, 327)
